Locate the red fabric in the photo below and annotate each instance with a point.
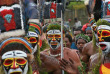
(53, 10)
(108, 11)
(84, 27)
(100, 71)
(40, 43)
(7, 25)
(106, 65)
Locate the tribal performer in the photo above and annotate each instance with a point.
(54, 41)
(100, 62)
(16, 56)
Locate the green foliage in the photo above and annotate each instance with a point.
(53, 26)
(44, 45)
(94, 42)
(82, 69)
(82, 36)
(38, 56)
(95, 70)
(1, 70)
(76, 5)
(102, 22)
(29, 70)
(31, 28)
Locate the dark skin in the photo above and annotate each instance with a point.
(68, 66)
(87, 51)
(89, 33)
(47, 65)
(94, 59)
(67, 54)
(76, 33)
(80, 44)
(67, 42)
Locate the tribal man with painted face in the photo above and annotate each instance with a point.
(15, 56)
(102, 59)
(54, 38)
(54, 41)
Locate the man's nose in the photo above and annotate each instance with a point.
(101, 39)
(53, 39)
(14, 65)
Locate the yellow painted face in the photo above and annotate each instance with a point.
(31, 39)
(54, 36)
(14, 63)
(103, 35)
(54, 40)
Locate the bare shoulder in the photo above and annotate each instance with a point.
(45, 52)
(95, 60)
(86, 47)
(70, 50)
(72, 53)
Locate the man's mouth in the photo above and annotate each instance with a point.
(54, 43)
(15, 73)
(103, 46)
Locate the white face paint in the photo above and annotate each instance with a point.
(15, 62)
(54, 38)
(105, 48)
(106, 27)
(31, 34)
(104, 38)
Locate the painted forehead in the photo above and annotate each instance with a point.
(103, 27)
(13, 54)
(54, 32)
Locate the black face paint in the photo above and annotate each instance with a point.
(57, 40)
(103, 36)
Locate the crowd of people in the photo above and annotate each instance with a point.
(28, 47)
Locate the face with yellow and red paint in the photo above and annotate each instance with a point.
(103, 33)
(15, 62)
(54, 38)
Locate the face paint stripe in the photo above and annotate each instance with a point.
(14, 65)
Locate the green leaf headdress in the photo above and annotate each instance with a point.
(54, 26)
(82, 36)
(102, 22)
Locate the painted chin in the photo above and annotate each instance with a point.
(103, 47)
(16, 73)
(54, 46)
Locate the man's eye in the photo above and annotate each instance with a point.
(50, 36)
(57, 35)
(21, 61)
(104, 34)
(8, 62)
